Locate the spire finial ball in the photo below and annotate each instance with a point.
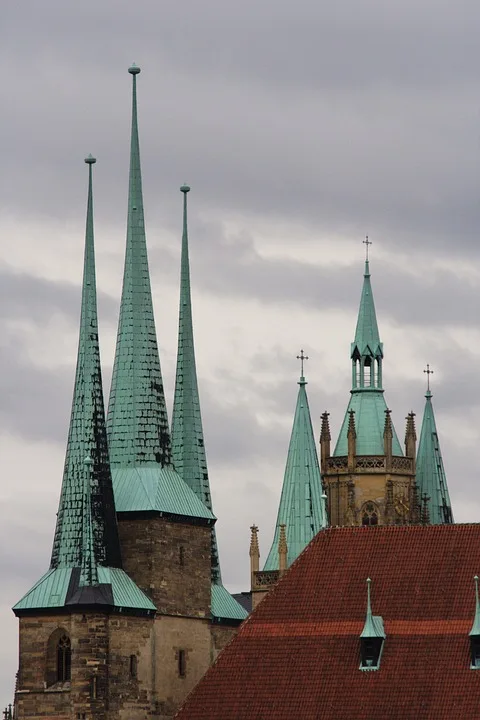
(185, 188)
(90, 160)
(133, 69)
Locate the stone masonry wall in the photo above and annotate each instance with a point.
(101, 686)
(170, 561)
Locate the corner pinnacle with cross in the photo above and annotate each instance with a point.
(302, 357)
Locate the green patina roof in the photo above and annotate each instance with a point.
(137, 422)
(367, 338)
(367, 399)
(188, 446)
(369, 407)
(476, 621)
(85, 567)
(301, 508)
(52, 590)
(141, 489)
(225, 606)
(431, 479)
(373, 627)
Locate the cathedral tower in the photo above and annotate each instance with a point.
(369, 480)
(85, 608)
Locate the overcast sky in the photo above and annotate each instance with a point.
(300, 126)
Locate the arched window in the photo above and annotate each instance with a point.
(369, 514)
(64, 659)
(181, 556)
(133, 666)
(367, 372)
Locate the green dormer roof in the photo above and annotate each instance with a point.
(302, 507)
(367, 399)
(86, 568)
(137, 422)
(188, 447)
(431, 478)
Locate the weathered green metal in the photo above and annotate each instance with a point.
(188, 445)
(137, 423)
(431, 479)
(224, 606)
(86, 548)
(476, 622)
(367, 400)
(302, 506)
(373, 623)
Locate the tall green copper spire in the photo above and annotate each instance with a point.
(302, 508)
(144, 478)
(431, 478)
(367, 400)
(187, 432)
(188, 445)
(85, 567)
(137, 416)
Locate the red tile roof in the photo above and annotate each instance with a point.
(298, 654)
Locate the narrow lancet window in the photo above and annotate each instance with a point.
(64, 659)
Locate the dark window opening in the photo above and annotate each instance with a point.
(475, 650)
(182, 663)
(181, 556)
(369, 514)
(367, 374)
(371, 649)
(64, 659)
(133, 666)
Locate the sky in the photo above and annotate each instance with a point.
(301, 127)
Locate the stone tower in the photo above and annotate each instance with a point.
(369, 480)
(301, 512)
(86, 628)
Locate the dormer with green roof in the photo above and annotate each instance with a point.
(369, 479)
(188, 446)
(431, 479)
(86, 565)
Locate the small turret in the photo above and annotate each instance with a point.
(282, 550)
(254, 554)
(352, 440)
(411, 438)
(387, 440)
(325, 439)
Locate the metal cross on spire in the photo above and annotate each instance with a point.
(428, 372)
(302, 357)
(366, 242)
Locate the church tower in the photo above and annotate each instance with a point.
(85, 609)
(301, 513)
(369, 480)
(165, 529)
(431, 479)
(188, 446)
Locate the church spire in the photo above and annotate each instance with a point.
(86, 533)
(144, 478)
(367, 385)
(302, 509)
(188, 446)
(137, 416)
(431, 478)
(86, 566)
